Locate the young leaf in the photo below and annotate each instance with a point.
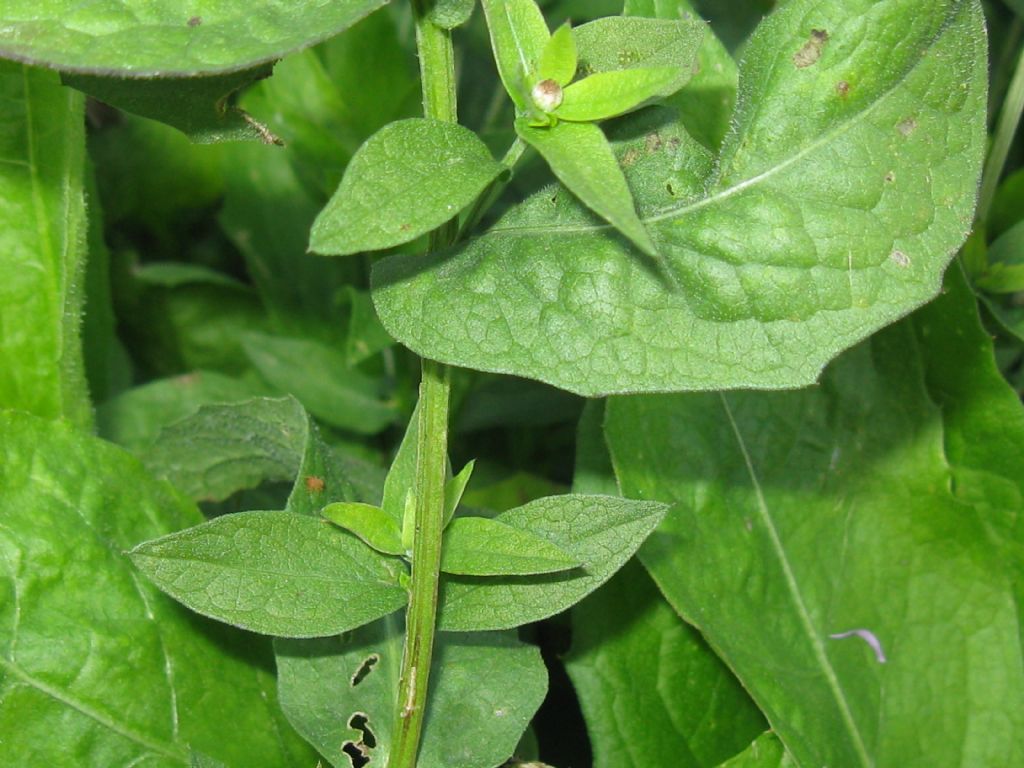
(322, 380)
(166, 40)
(454, 489)
(608, 94)
(582, 159)
(823, 535)
(371, 524)
(449, 14)
(558, 59)
(1006, 259)
(628, 645)
(339, 690)
(277, 573)
(478, 546)
(402, 473)
(104, 695)
(775, 267)
(409, 178)
(601, 532)
(519, 36)
(766, 751)
(42, 236)
(618, 43)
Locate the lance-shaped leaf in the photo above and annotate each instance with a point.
(479, 546)
(608, 94)
(371, 524)
(401, 477)
(277, 573)
(42, 245)
(832, 209)
(97, 667)
(842, 547)
(196, 106)
(519, 36)
(601, 532)
(582, 159)
(341, 693)
(621, 42)
(409, 178)
(454, 489)
(164, 37)
(559, 58)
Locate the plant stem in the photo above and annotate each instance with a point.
(1009, 118)
(437, 68)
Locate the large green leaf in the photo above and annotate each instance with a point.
(765, 752)
(833, 208)
(852, 551)
(43, 228)
(484, 688)
(278, 573)
(98, 668)
(652, 692)
(139, 38)
(602, 532)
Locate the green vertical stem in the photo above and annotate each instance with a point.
(1009, 119)
(437, 68)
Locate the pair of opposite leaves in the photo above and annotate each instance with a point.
(414, 175)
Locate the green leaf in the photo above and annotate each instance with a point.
(277, 573)
(821, 537)
(168, 39)
(608, 94)
(196, 106)
(593, 471)
(408, 179)
(558, 59)
(99, 668)
(402, 474)
(765, 752)
(449, 14)
(582, 159)
(454, 489)
(707, 101)
(371, 524)
(478, 546)
(519, 36)
(173, 274)
(366, 336)
(222, 449)
(135, 417)
(43, 228)
(776, 268)
(601, 532)
(338, 689)
(1006, 262)
(651, 690)
(321, 379)
(619, 43)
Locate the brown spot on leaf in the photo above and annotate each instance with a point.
(890, 177)
(195, 21)
(630, 157)
(314, 484)
(842, 88)
(652, 142)
(900, 259)
(811, 50)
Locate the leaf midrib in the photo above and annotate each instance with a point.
(803, 614)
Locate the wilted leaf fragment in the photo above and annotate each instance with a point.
(407, 179)
(782, 253)
(479, 546)
(97, 668)
(600, 532)
(325, 683)
(277, 573)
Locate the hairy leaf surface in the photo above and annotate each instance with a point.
(832, 209)
(140, 38)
